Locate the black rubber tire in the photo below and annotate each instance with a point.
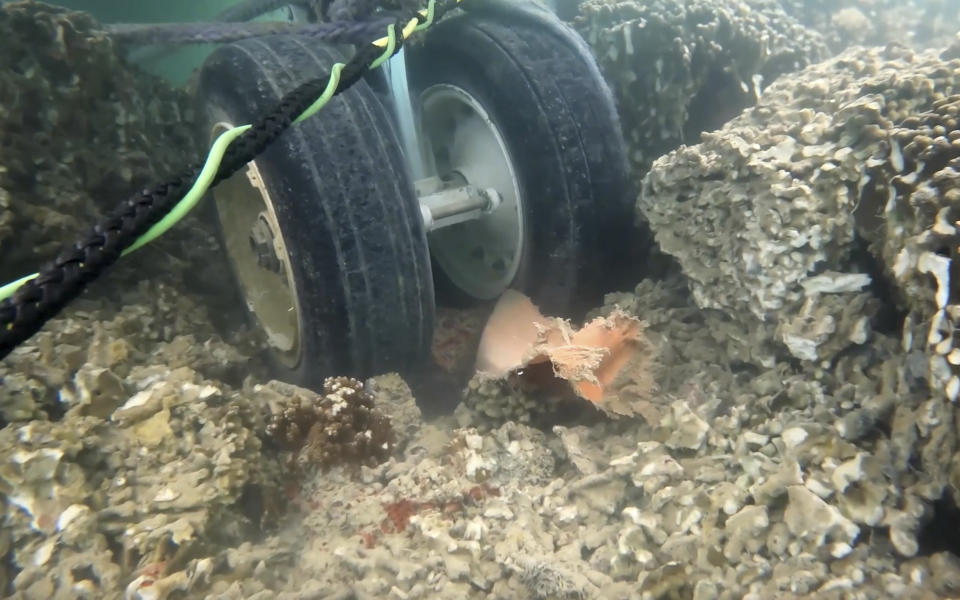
(346, 209)
(535, 78)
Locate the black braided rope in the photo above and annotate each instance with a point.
(251, 9)
(41, 298)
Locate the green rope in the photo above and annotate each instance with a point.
(326, 95)
(223, 141)
(195, 193)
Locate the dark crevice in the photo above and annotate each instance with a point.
(8, 571)
(85, 573)
(942, 532)
(115, 547)
(889, 316)
(719, 99)
(54, 410)
(251, 504)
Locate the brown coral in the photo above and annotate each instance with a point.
(340, 427)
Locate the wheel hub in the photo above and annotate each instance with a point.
(263, 246)
(258, 255)
(480, 255)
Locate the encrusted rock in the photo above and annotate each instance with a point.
(79, 130)
(688, 430)
(746, 531)
(858, 147)
(678, 68)
(499, 400)
(816, 522)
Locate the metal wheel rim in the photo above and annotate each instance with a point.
(242, 201)
(481, 256)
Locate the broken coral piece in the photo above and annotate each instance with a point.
(511, 331)
(609, 361)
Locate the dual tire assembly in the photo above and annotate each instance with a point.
(342, 257)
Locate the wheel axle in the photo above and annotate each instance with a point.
(448, 201)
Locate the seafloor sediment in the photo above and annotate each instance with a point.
(801, 441)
